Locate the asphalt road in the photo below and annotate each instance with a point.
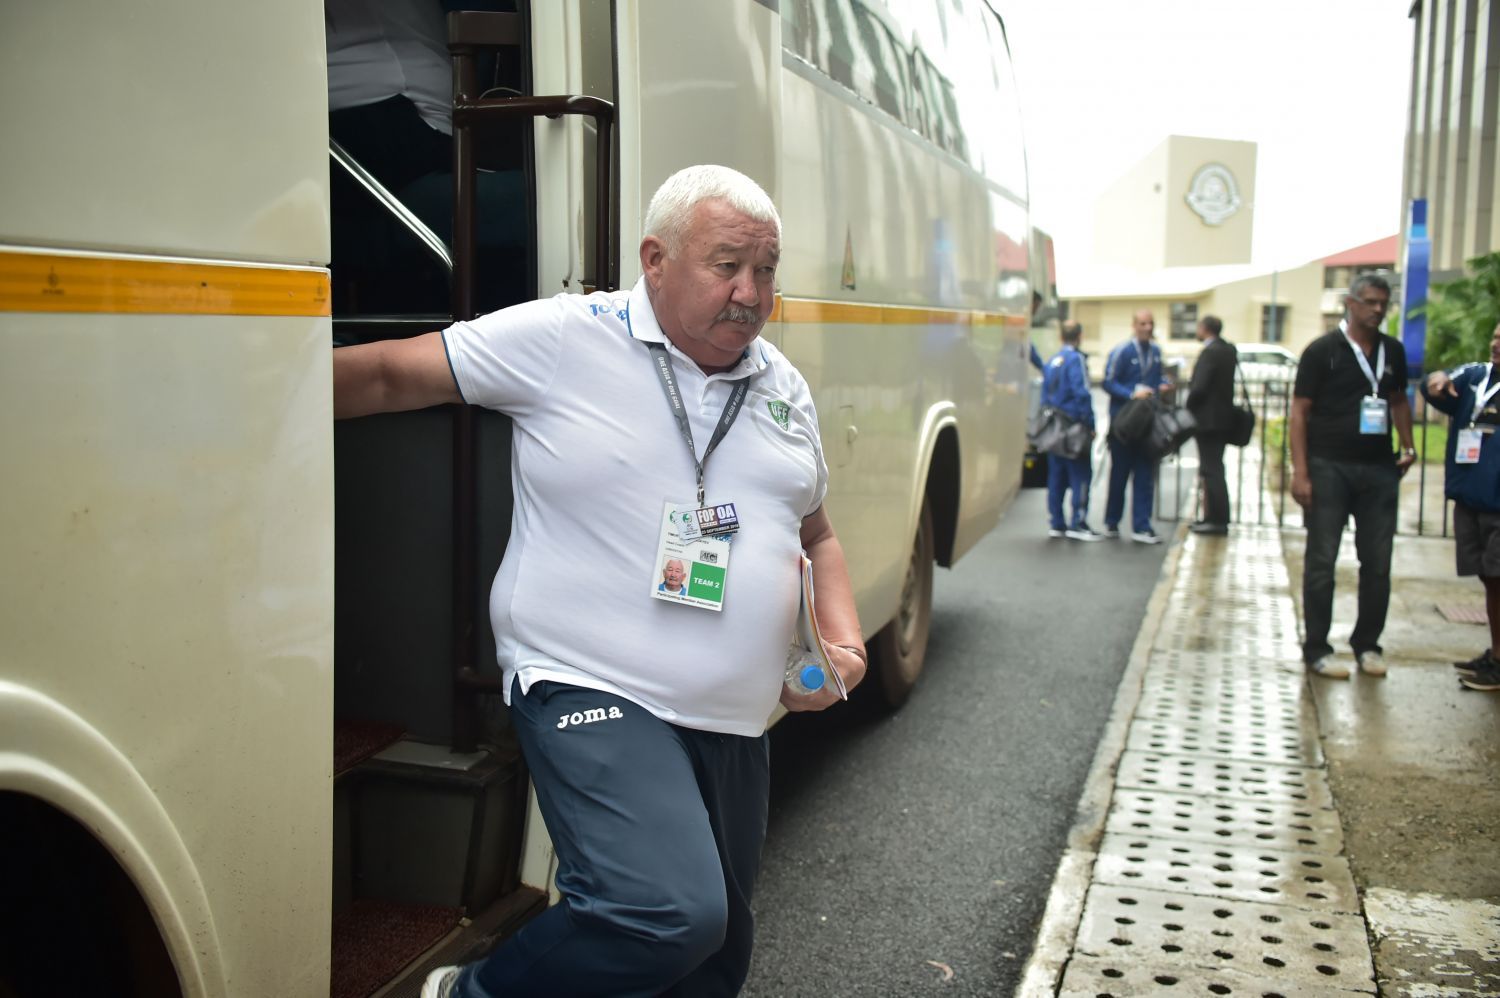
(905, 845)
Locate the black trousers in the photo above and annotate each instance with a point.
(1367, 493)
(1211, 471)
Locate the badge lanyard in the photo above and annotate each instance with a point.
(1364, 362)
(1483, 392)
(662, 361)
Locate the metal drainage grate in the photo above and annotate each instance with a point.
(1264, 663)
(1236, 942)
(1305, 879)
(1269, 639)
(1096, 977)
(1192, 774)
(1213, 604)
(1248, 741)
(1224, 704)
(1217, 675)
(1225, 820)
(1236, 724)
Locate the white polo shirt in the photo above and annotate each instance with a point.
(596, 453)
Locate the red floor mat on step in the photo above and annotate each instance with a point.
(373, 940)
(356, 741)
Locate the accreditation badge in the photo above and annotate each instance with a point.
(1466, 447)
(1374, 415)
(692, 554)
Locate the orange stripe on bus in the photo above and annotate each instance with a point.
(50, 282)
(808, 310)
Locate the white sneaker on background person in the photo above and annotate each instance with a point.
(1329, 668)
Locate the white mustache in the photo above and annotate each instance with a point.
(737, 313)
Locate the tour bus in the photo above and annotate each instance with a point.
(251, 742)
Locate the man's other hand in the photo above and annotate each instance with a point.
(1438, 383)
(1302, 489)
(850, 666)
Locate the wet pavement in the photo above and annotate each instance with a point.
(1245, 831)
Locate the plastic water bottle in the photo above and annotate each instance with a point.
(804, 674)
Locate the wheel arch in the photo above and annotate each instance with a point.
(52, 755)
(938, 479)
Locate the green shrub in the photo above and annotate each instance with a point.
(1462, 315)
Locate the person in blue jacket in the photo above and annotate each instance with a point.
(1471, 396)
(1134, 370)
(1065, 387)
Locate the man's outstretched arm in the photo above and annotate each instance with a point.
(392, 376)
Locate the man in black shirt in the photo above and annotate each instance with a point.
(1350, 391)
(1211, 401)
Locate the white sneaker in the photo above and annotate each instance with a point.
(1371, 664)
(1084, 532)
(440, 983)
(1054, 532)
(1330, 668)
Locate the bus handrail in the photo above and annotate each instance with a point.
(473, 111)
(468, 32)
(391, 203)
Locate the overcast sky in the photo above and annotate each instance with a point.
(1320, 85)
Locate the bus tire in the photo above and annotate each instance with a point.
(899, 650)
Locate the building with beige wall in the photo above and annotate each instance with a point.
(1188, 203)
(1307, 300)
(1451, 145)
(1173, 235)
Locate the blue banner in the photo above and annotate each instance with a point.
(1414, 287)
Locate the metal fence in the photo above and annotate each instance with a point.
(1260, 474)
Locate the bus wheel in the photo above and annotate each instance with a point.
(899, 649)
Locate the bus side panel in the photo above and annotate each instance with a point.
(167, 537)
(866, 204)
(185, 127)
(701, 85)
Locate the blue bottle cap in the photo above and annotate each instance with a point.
(812, 677)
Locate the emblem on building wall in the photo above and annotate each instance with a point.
(1213, 194)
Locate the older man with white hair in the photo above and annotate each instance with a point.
(649, 425)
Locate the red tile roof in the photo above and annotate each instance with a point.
(1381, 251)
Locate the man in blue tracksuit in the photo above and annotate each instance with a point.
(1065, 387)
(1133, 370)
(1471, 396)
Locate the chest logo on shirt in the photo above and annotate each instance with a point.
(781, 412)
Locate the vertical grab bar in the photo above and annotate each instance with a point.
(470, 31)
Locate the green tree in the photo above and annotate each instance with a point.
(1462, 315)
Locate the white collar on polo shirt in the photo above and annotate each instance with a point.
(640, 322)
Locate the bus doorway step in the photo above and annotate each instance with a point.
(356, 741)
(373, 940)
(473, 941)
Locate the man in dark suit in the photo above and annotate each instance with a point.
(1211, 401)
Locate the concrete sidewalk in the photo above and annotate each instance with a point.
(1248, 832)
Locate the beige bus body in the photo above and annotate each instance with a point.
(166, 520)
(166, 523)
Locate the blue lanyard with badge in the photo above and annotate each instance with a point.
(1471, 437)
(692, 556)
(1374, 411)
